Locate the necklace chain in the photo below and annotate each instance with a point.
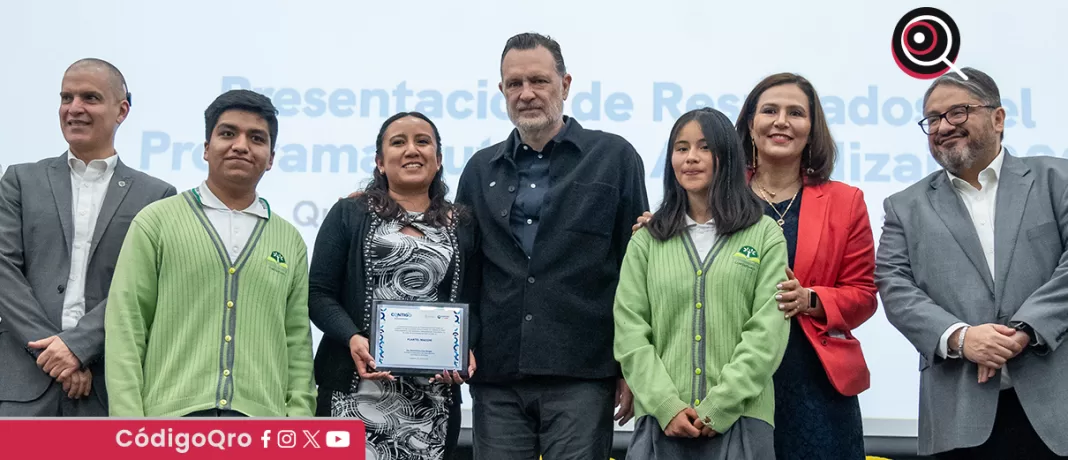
(782, 215)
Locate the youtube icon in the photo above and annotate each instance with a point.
(337, 439)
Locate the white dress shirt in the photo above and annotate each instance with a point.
(88, 185)
(234, 227)
(980, 204)
(703, 236)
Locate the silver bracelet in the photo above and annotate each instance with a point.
(960, 340)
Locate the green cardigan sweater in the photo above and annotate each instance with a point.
(705, 335)
(187, 330)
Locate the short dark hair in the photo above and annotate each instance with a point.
(531, 40)
(376, 193)
(820, 154)
(731, 203)
(246, 101)
(115, 78)
(978, 84)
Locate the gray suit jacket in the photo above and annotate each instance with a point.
(35, 250)
(931, 273)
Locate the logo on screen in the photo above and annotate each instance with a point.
(339, 439)
(926, 43)
(287, 439)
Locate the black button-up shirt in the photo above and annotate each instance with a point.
(532, 170)
(550, 314)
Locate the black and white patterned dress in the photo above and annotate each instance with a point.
(406, 418)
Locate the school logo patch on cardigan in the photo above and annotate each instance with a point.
(748, 253)
(278, 259)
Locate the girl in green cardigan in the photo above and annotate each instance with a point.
(697, 329)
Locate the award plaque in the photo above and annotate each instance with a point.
(419, 338)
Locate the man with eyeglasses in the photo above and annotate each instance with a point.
(972, 270)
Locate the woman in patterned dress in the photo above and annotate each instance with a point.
(399, 239)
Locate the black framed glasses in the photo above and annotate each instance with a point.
(955, 116)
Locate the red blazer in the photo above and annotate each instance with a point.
(835, 256)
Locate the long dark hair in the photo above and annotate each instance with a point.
(820, 154)
(731, 202)
(377, 191)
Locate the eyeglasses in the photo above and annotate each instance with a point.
(955, 116)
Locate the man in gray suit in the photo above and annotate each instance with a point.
(62, 223)
(972, 270)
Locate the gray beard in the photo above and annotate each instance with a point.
(527, 127)
(962, 158)
(955, 163)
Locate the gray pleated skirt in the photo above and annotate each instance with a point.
(747, 439)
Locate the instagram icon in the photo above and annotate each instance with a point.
(287, 439)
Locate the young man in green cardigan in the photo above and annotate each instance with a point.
(208, 311)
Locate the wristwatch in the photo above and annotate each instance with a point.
(1024, 327)
(812, 298)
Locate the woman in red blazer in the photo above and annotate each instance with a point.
(831, 288)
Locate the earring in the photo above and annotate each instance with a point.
(754, 165)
